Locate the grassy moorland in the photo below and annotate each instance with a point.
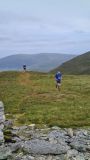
(32, 98)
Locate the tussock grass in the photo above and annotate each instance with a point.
(31, 97)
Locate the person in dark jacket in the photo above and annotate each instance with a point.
(24, 67)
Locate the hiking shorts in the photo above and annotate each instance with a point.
(58, 82)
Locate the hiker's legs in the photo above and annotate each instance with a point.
(58, 86)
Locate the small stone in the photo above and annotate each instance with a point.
(70, 132)
(32, 126)
(55, 128)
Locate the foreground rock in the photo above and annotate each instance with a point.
(28, 143)
(48, 144)
(2, 120)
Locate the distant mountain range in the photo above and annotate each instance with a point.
(34, 62)
(77, 65)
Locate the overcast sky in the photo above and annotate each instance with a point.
(44, 26)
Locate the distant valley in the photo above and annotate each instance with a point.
(43, 62)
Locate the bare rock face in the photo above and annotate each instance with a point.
(2, 120)
(30, 143)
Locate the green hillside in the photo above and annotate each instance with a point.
(31, 97)
(77, 65)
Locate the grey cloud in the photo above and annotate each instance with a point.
(3, 39)
(43, 27)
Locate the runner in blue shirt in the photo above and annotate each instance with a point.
(58, 78)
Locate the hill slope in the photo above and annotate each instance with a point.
(77, 65)
(36, 62)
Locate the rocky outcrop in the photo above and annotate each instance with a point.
(30, 143)
(2, 120)
(49, 144)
